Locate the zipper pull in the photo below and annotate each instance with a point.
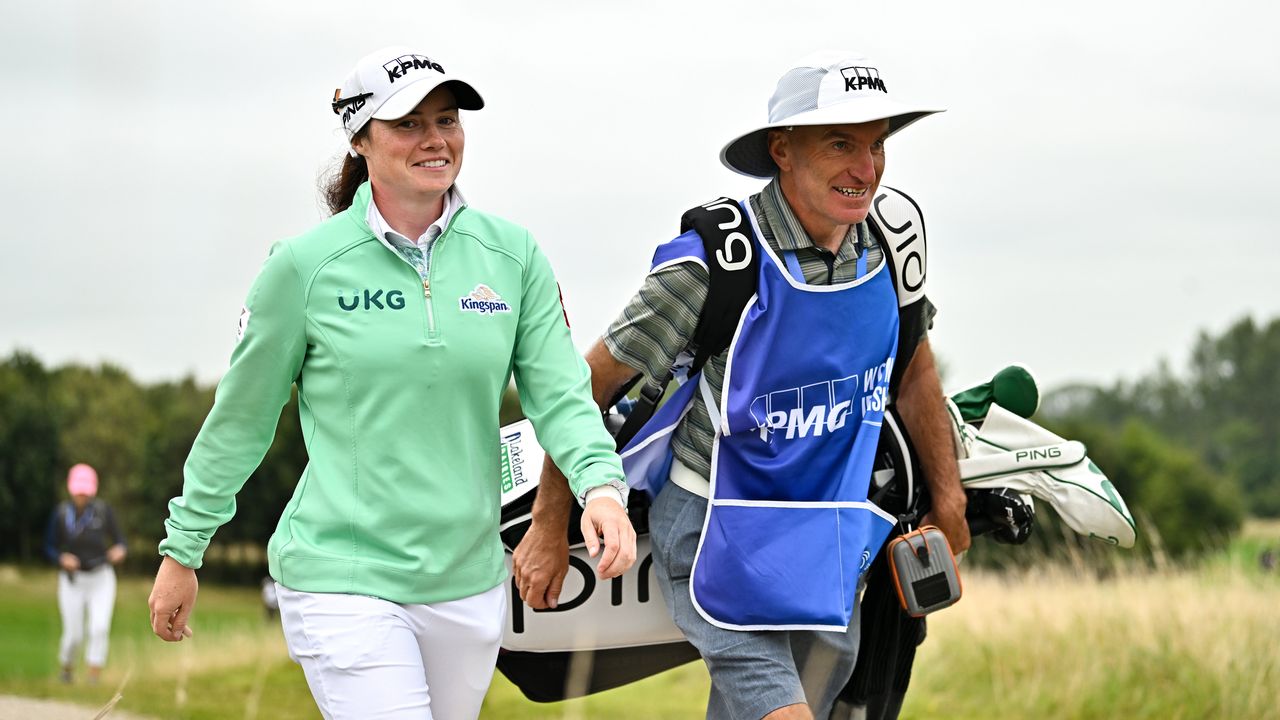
(426, 288)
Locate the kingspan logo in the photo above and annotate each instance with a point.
(484, 301)
(405, 64)
(862, 78)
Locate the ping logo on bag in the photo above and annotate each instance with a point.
(617, 597)
(823, 407)
(735, 243)
(908, 255)
(394, 300)
(1046, 453)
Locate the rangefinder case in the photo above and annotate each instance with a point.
(924, 571)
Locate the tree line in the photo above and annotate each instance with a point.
(1192, 453)
(137, 437)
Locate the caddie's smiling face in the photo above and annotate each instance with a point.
(417, 155)
(829, 173)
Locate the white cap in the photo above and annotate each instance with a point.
(389, 84)
(826, 88)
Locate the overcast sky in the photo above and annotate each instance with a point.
(1101, 188)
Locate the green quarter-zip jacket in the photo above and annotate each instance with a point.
(399, 383)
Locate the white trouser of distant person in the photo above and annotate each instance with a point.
(91, 593)
(366, 657)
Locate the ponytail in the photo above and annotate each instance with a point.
(340, 188)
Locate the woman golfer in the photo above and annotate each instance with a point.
(401, 319)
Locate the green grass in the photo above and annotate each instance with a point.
(237, 666)
(1050, 643)
(210, 676)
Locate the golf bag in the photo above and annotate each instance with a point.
(606, 634)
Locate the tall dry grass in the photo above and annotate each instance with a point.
(1065, 643)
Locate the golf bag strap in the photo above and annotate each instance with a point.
(898, 226)
(732, 266)
(646, 404)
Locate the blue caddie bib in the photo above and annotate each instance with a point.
(788, 530)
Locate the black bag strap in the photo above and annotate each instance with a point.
(646, 405)
(733, 266)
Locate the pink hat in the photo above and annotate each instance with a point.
(82, 480)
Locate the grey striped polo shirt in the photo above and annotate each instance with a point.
(658, 323)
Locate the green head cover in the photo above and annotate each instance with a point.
(1013, 388)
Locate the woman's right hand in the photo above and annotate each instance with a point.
(173, 597)
(69, 562)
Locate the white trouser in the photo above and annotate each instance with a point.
(81, 593)
(365, 657)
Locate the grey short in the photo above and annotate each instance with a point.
(752, 673)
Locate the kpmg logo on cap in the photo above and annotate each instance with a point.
(862, 78)
(403, 65)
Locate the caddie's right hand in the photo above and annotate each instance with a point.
(540, 563)
(608, 533)
(173, 597)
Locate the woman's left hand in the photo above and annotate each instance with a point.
(115, 554)
(608, 533)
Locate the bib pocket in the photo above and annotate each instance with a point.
(764, 565)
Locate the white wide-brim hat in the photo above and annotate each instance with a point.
(389, 83)
(825, 88)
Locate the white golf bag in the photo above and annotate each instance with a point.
(608, 633)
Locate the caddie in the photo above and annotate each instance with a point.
(764, 530)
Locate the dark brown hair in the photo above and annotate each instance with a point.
(339, 189)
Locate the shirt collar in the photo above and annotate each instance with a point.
(453, 202)
(790, 234)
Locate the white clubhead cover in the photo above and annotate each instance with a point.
(1009, 451)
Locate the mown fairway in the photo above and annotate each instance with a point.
(1201, 643)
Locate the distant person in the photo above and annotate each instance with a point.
(85, 541)
(1267, 560)
(402, 319)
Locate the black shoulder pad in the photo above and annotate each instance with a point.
(733, 264)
